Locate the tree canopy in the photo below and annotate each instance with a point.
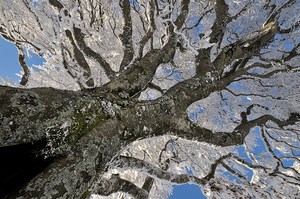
(138, 95)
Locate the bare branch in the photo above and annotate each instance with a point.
(222, 17)
(131, 162)
(289, 30)
(246, 47)
(24, 66)
(149, 33)
(126, 36)
(186, 129)
(79, 36)
(81, 60)
(275, 15)
(138, 75)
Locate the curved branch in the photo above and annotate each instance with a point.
(189, 130)
(246, 47)
(21, 58)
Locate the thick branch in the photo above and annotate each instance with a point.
(187, 129)
(28, 115)
(222, 17)
(72, 176)
(138, 75)
(246, 47)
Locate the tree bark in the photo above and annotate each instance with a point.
(84, 130)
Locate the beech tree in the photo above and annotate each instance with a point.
(135, 96)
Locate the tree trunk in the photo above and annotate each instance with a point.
(82, 130)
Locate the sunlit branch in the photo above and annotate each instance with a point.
(251, 44)
(115, 184)
(131, 162)
(232, 171)
(68, 68)
(275, 15)
(21, 58)
(35, 16)
(239, 63)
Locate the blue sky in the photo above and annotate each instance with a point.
(187, 191)
(9, 64)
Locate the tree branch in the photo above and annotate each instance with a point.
(24, 66)
(222, 17)
(126, 36)
(138, 75)
(131, 162)
(189, 130)
(149, 33)
(246, 47)
(115, 183)
(79, 56)
(79, 36)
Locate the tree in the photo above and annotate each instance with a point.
(148, 93)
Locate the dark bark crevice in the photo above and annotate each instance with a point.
(19, 164)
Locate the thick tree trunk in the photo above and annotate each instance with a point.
(84, 130)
